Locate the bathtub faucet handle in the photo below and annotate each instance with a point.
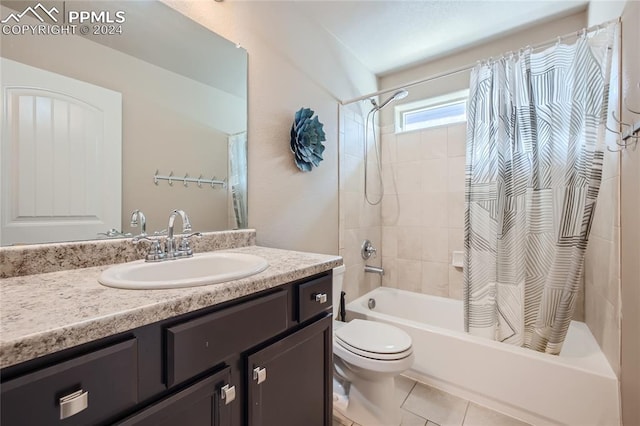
(367, 250)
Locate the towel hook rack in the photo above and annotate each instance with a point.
(214, 182)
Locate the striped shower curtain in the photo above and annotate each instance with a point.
(533, 171)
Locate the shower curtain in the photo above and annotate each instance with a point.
(533, 171)
(238, 178)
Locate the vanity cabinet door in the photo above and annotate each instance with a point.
(205, 403)
(290, 380)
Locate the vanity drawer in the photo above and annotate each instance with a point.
(98, 385)
(314, 296)
(200, 344)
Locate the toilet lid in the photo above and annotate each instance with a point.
(374, 337)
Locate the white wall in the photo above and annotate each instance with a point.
(287, 70)
(604, 10)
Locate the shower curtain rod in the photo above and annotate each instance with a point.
(470, 66)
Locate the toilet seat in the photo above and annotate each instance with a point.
(373, 340)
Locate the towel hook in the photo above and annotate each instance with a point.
(613, 114)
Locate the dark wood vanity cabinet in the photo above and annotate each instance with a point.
(290, 380)
(206, 402)
(262, 360)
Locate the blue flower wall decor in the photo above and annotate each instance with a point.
(306, 140)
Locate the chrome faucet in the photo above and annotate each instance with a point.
(367, 250)
(170, 245)
(374, 269)
(137, 217)
(171, 249)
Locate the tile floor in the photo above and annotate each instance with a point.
(423, 405)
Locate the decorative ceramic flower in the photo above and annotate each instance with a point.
(306, 140)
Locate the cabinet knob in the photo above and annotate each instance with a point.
(228, 394)
(321, 298)
(259, 374)
(73, 403)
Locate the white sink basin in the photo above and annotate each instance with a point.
(201, 269)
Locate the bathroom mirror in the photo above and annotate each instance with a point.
(133, 107)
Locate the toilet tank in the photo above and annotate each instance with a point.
(338, 277)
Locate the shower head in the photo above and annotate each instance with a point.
(400, 94)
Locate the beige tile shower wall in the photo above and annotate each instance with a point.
(602, 270)
(630, 237)
(358, 219)
(602, 259)
(423, 210)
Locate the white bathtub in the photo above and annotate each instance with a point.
(577, 388)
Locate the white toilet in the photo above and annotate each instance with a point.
(367, 355)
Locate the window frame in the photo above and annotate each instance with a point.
(433, 103)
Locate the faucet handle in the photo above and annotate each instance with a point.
(144, 237)
(367, 250)
(155, 252)
(194, 234)
(185, 246)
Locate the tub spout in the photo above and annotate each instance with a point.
(374, 270)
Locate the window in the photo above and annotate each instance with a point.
(432, 112)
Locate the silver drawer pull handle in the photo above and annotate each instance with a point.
(228, 394)
(259, 374)
(321, 298)
(72, 404)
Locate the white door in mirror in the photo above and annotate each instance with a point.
(201, 269)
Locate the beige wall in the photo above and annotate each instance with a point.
(630, 236)
(423, 211)
(287, 71)
(359, 220)
(529, 36)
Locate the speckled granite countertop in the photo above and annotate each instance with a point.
(44, 313)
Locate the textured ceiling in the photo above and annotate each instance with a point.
(389, 35)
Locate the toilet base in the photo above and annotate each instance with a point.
(368, 403)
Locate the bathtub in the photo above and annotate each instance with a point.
(578, 387)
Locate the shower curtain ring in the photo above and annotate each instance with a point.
(171, 178)
(199, 181)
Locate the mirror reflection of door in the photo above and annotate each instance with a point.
(62, 139)
(182, 99)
